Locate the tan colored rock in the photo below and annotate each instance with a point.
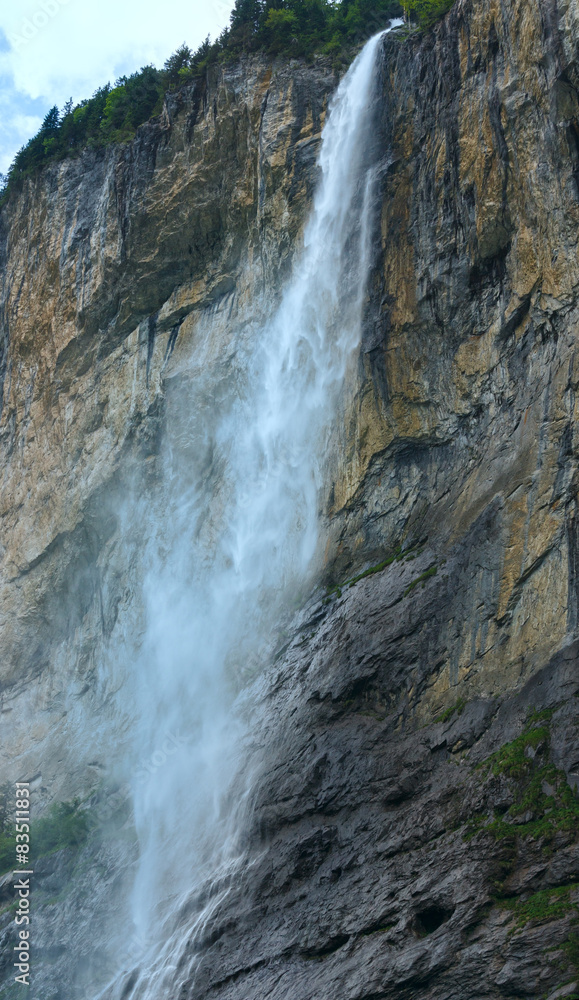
(105, 260)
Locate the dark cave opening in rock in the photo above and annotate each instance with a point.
(430, 919)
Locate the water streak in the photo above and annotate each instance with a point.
(239, 537)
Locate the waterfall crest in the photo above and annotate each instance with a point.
(238, 536)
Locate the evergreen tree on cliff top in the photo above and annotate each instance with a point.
(296, 28)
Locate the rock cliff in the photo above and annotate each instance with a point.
(413, 832)
(107, 263)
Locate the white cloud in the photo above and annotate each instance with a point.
(15, 129)
(63, 48)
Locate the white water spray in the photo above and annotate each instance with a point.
(239, 534)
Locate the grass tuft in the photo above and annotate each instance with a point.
(458, 707)
(431, 571)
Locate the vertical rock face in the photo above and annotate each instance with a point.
(107, 263)
(466, 410)
(415, 825)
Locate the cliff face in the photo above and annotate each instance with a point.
(107, 264)
(414, 831)
(467, 408)
(400, 846)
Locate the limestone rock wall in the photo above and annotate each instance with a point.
(466, 407)
(107, 261)
(408, 842)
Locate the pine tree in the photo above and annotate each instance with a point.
(51, 123)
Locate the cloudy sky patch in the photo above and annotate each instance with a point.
(51, 50)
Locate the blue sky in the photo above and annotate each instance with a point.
(51, 50)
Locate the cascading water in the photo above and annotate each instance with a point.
(239, 535)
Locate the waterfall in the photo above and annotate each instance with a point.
(238, 533)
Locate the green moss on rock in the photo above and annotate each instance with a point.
(457, 708)
(543, 906)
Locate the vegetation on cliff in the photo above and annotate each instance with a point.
(426, 12)
(543, 802)
(296, 28)
(64, 825)
(7, 832)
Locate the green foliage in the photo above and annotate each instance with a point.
(132, 101)
(458, 707)
(6, 799)
(280, 27)
(7, 852)
(426, 12)
(304, 27)
(298, 28)
(7, 833)
(542, 814)
(548, 904)
(65, 825)
(571, 949)
(431, 571)
(179, 64)
(512, 759)
(398, 555)
(544, 805)
(544, 802)
(112, 114)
